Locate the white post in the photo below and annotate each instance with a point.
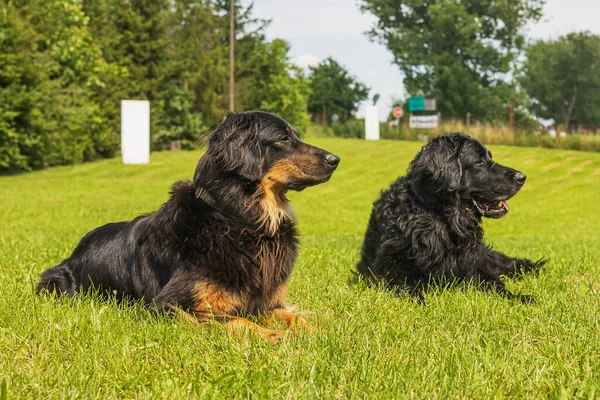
(135, 131)
(372, 123)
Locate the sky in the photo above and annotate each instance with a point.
(317, 29)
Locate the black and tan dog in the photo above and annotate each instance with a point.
(222, 246)
(426, 228)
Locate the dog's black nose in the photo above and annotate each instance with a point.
(520, 177)
(332, 160)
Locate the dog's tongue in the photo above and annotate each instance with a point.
(505, 206)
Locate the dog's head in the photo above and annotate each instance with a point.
(455, 165)
(264, 153)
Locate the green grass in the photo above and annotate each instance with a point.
(369, 343)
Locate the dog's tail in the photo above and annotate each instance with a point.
(58, 280)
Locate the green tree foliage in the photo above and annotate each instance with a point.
(563, 78)
(132, 35)
(65, 66)
(199, 56)
(205, 25)
(276, 85)
(19, 117)
(265, 78)
(49, 67)
(460, 51)
(334, 92)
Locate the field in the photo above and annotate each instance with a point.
(368, 343)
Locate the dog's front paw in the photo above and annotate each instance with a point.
(275, 336)
(534, 266)
(525, 266)
(525, 298)
(302, 325)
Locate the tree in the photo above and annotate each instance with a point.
(249, 42)
(276, 85)
(334, 92)
(563, 78)
(19, 120)
(198, 37)
(65, 66)
(50, 67)
(460, 51)
(132, 35)
(198, 57)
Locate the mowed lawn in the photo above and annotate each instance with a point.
(368, 343)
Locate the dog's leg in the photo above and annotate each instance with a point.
(289, 319)
(59, 280)
(239, 325)
(493, 282)
(236, 325)
(407, 274)
(520, 266)
(209, 303)
(512, 267)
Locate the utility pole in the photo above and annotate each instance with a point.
(511, 118)
(231, 59)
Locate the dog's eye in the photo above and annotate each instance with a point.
(280, 142)
(480, 163)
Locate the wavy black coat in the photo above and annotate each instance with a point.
(425, 229)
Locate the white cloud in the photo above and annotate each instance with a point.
(564, 16)
(322, 19)
(307, 60)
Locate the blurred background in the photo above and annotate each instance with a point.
(65, 66)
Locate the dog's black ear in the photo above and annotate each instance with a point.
(437, 168)
(235, 146)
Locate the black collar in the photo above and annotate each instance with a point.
(202, 194)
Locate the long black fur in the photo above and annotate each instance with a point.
(209, 234)
(426, 228)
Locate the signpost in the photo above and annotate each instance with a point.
(423, 121)
(430, 104)
(420, 103)
(398, 112)
(416, 103)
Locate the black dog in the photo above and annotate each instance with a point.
(426, 228)
(223, 245)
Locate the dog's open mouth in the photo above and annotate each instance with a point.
(495, 209)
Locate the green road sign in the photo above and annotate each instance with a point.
(416, 103)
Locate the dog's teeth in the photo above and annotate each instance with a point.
(500, 204)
